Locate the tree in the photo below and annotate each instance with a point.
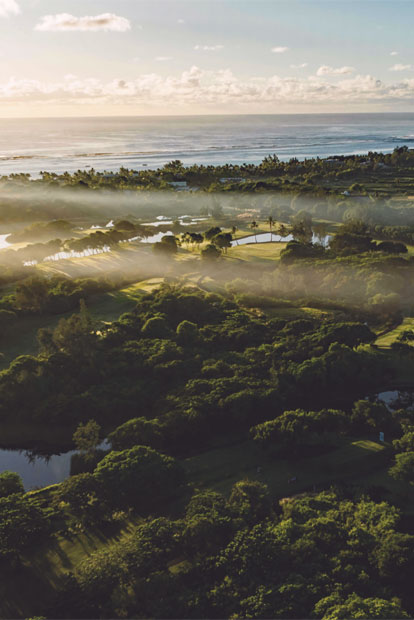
(32, 294)
(210, 253)
(212, 232)
(254, 225)
(75, 335)
(282, 231)
(302, 227)
(125, 226)
(83, 493)
(270, 221)
(293, 429)
(139, 477)
(10, 483)
(403, 469)
(370, 416)
(138, 431)
(21, 524)
(223, 241)
(86, 438)
(166, 247)
(334, 608)
(187, 333)
(406, 442)
(250, 500)
(156, 327)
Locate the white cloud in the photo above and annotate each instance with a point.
(327, 70)
(197, 87)
(279, 50)
(393, 53)
(208, 48)
(67, 22)
(162, 58)
(180, 21)
(9, 7)
(301, 66)
(399, 67)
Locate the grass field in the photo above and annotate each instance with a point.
(256, 252)
(350, 461)
(106, 307)
(385, 341)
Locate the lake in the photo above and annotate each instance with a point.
(39, 470)
(274, 238)
(36, 471)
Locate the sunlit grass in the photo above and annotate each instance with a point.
(256, 252)
(387, 339)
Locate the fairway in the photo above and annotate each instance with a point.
(106, 307)
(256, 252)
(349, 460)
(386, 340)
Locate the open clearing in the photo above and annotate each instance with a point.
(387, 339)
(106, 307)
(256, 252)
(349, 460)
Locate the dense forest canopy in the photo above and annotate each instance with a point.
(251, 466)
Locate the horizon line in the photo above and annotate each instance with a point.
(212, 114)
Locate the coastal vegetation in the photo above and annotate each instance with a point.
(234, 453)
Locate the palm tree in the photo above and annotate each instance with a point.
(271, 221)
(253, 226)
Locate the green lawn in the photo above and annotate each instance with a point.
(106, 307)
(256, 252)
(350, 460)
(387, 339)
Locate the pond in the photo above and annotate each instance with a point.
(155, 238)
(397, 399)
(3, 243)
(38, 470)
(271, 237)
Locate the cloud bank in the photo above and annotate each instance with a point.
(399, 67)
(197, 87)
(9, 7)
(327, 70)
(209, 48)
(279, 49)
(67, 22)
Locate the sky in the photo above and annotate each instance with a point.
(149, 57)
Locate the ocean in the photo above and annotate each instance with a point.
(69, 144)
